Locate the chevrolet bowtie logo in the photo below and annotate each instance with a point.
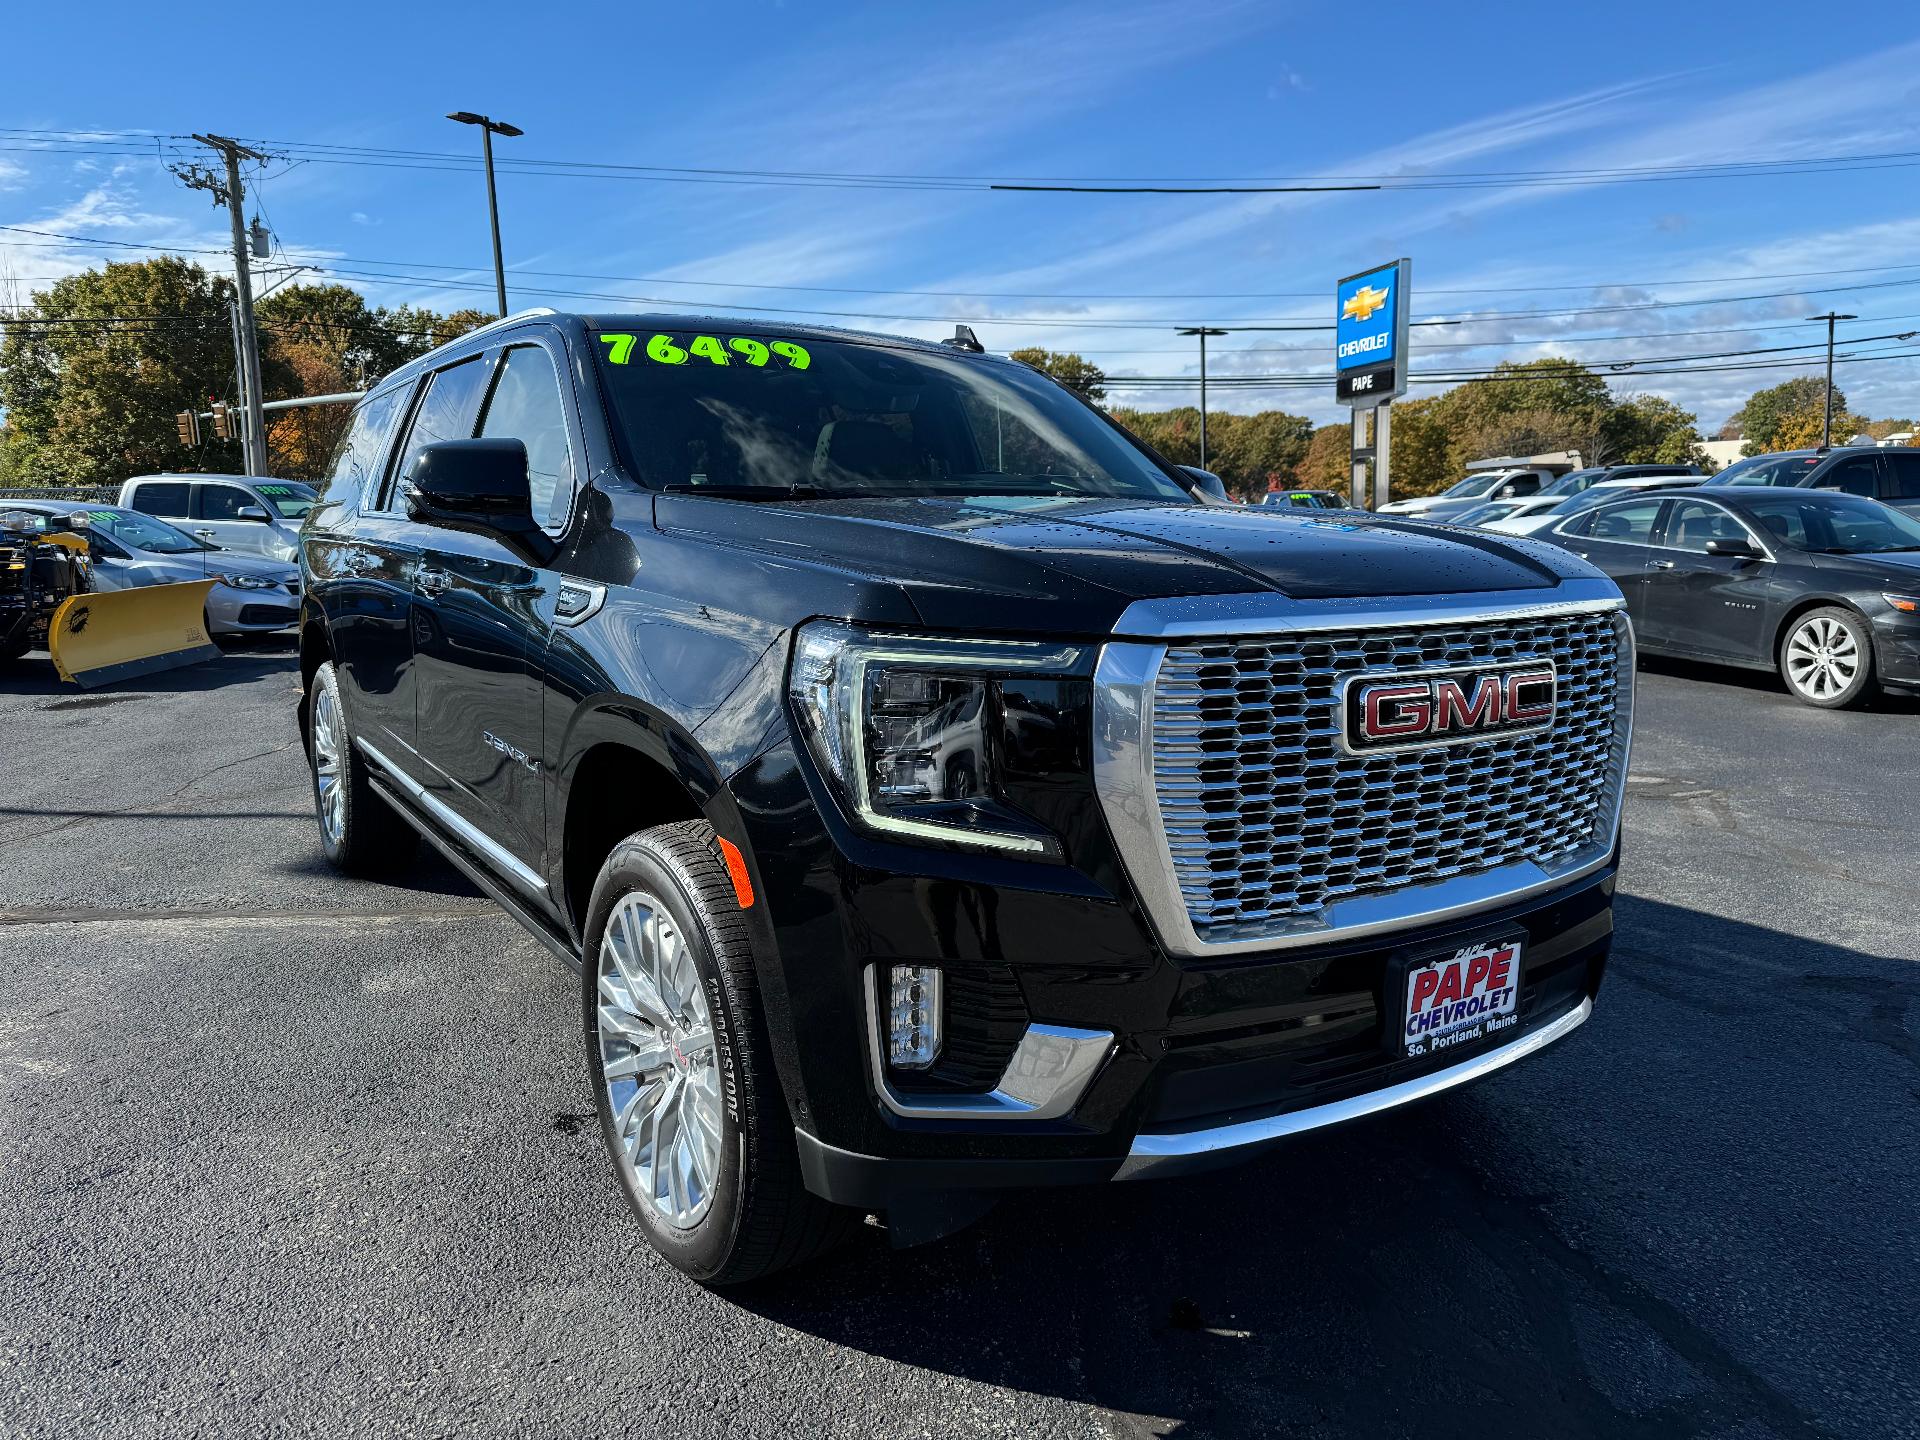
(1363, 302)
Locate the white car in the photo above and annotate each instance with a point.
(235, 512)
(251, 595)
(1552, 509)
(1463, 494)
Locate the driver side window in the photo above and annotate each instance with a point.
(1853, 476)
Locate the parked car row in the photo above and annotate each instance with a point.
(252, 594)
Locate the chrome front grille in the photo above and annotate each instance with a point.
(1271, 827)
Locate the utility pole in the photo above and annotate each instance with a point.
(1203, 332)
(240, 376)
(1826, 418)
(230, 193)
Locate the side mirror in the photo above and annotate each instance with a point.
(252, 512)
(1205, 485)
(479, 486)
(1734, 549)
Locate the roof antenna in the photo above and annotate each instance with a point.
(964, 339)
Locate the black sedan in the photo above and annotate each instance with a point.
(1822, 586)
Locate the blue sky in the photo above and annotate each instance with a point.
(1126, 88)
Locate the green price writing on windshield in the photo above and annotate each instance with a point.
(666, 350)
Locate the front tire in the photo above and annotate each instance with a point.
(690, 1111)
(358, 830)
(1826, 658)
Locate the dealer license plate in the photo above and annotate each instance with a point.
(1463, 997)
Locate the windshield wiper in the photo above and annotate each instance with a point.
(752, 492)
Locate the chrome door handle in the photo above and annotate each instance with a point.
(1661, 564)
(431, 582)
(204, 534)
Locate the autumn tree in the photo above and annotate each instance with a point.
(1328, 463)
(1788, 416)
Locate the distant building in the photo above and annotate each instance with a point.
(1721, 453)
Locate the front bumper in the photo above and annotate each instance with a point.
(1896, 648)
(251, 612)
(1210, 1058)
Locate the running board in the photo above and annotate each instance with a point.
(470, 866)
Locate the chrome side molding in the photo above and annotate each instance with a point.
(464, 830)
(1049, 1071)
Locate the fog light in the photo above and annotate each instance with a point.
(913, 1017)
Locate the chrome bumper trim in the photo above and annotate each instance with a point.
(1049, 1071)
(1155, 1154)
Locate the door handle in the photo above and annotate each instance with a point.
(431, 582)
(1661, 564)
(204, 534)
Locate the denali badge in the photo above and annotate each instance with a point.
(1409, 708)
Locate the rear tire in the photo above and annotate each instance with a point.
(358, 830)
(1826, 658)
(692, 1116)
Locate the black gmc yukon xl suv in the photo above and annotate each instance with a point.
(934, 795)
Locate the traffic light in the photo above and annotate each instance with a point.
(222, 420)
(189, 426)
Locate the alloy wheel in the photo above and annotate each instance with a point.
(661, 1072)
(328, 787)
(1823, 658)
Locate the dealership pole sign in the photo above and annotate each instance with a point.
(1370, 335)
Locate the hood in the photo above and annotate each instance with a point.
(987, 561)
(239, 562)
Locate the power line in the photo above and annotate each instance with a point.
(316, 152)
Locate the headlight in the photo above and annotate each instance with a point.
(1905, 604)
(248, 582)
(908, 729)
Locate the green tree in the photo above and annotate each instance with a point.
(1760, 421)
(1256, 453)
(1081, 376)
(1522, 409)
(1419, 459)
(1651, 429)
(92, 399)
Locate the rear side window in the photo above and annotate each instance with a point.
(357, 459)
(1903, 476)
(526, 406)
(221, 502)
(1626, 524)
(1853, 476)
(161, 497)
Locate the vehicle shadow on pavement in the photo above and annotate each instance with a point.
(1539, 1255)
(241, 659)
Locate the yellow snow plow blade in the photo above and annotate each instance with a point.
(111, 635)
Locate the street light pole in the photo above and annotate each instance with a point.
(1203, 332)
(489, 129)
(1826, 418)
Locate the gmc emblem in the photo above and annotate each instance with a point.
(1441, 707)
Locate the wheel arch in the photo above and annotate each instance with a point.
(1793, 614)
(622, 767)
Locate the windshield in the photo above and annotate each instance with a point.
(1834, 524)
(143, 532)
(1572, 483)
(289, 497)
(736, 413)
(1767, 470)
(1471, 486)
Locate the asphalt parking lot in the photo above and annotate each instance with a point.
(286, 1154)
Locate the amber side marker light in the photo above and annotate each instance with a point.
(1905, 604)
(737, 872)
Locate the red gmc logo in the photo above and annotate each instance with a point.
(1438, 707)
